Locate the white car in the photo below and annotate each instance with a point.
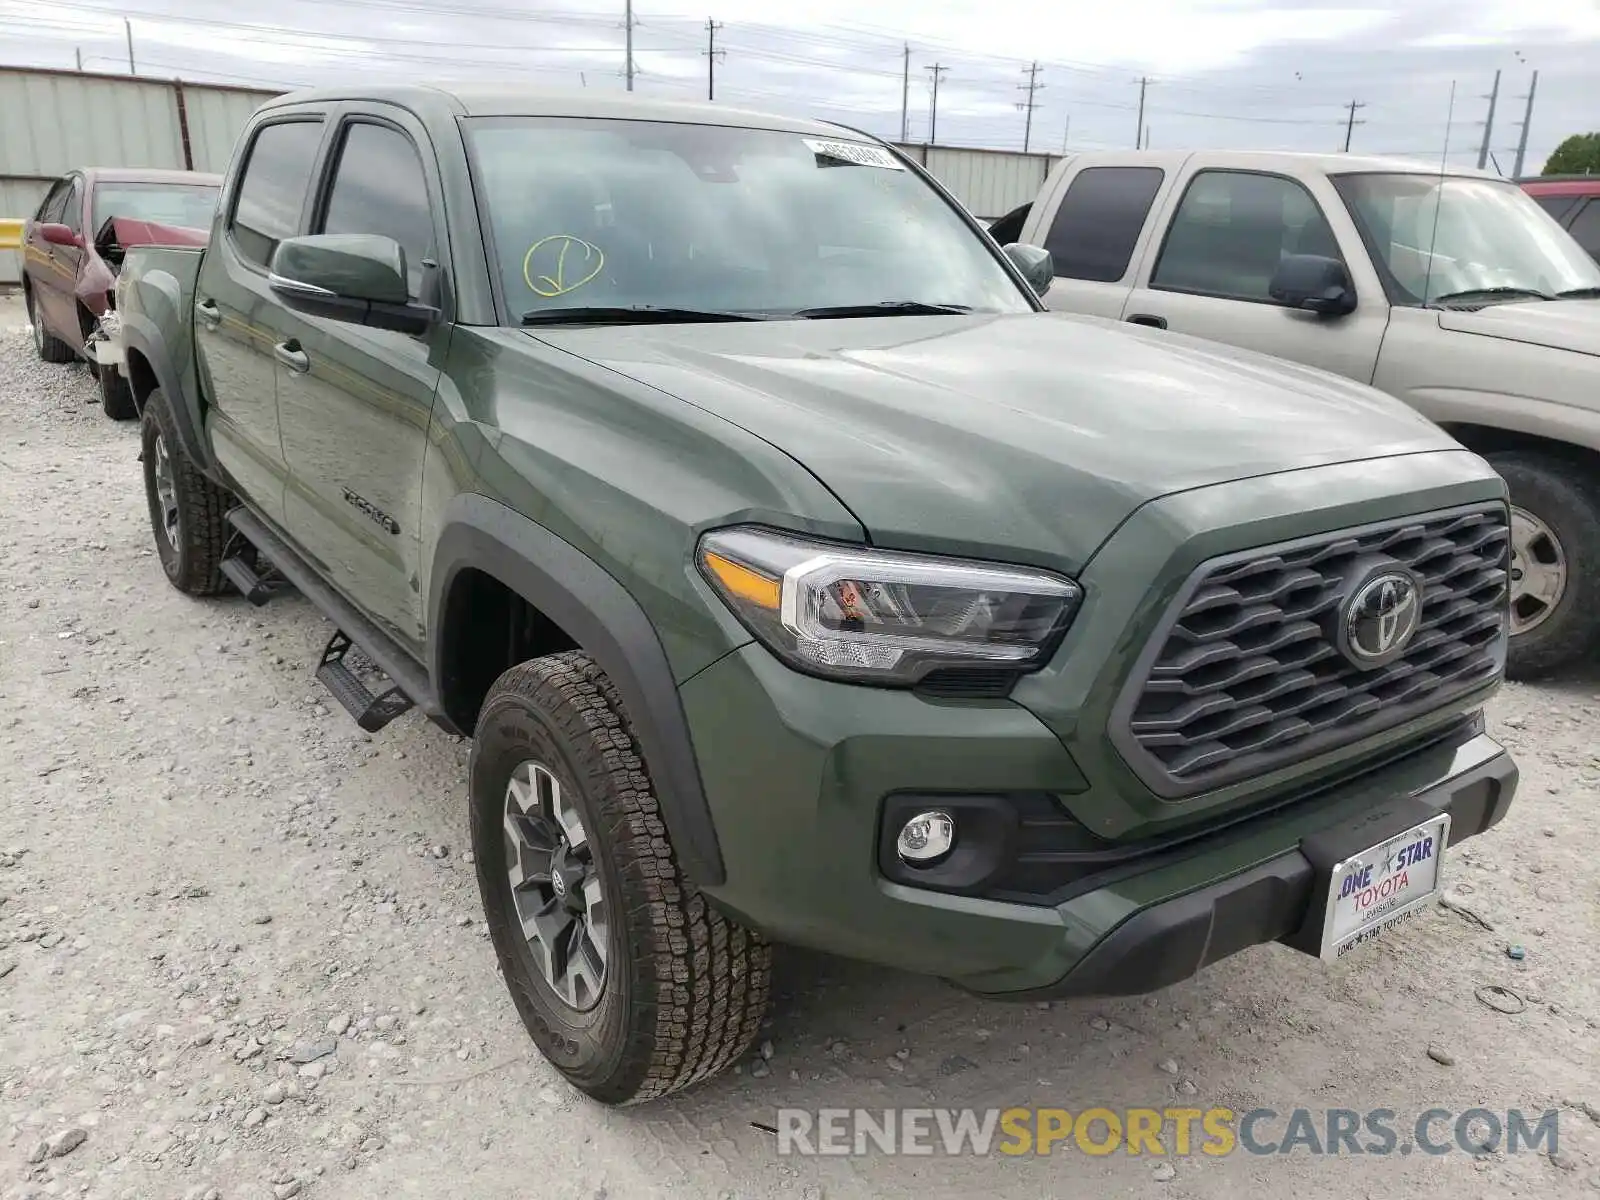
(1453, 292)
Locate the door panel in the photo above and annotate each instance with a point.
(238, 320)
(355, 403)
(1211, 272)
(57, 274)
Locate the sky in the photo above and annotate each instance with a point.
(1267, 74)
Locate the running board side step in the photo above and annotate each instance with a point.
(371, 712)
(250, 584)
(354, 628)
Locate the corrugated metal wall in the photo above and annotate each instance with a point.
(989, 182)
(52, 121)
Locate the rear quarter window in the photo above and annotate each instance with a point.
(1095, 229)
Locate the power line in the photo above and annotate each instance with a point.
(1527, 120)
(1031, 87)
(712, 54)
(1488, 126)
(905, 92)
(1350, 125)
(937, 69)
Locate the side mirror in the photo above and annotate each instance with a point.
(58, 234)
(354, 277)
(1034, 263)
(1313, 283)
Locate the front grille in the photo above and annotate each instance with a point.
(1246, 673)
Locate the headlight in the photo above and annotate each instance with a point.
(880, 616)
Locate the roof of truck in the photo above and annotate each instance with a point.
(1264, 160)
(523, 100)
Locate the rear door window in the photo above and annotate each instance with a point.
(1556, 206)
(272, 191)
(1098, 223)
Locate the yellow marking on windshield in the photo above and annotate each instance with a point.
(557, 283)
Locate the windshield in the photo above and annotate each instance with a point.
(1489, 236)
(186, 205)
(622, 214)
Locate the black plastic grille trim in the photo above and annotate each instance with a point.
(1244, 674)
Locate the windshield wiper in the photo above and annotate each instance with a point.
(1583, 293)
(1491, 293)
(884, 308)
(631, 314)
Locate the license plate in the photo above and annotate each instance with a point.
(1375, 890)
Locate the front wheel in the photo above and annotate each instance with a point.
(187, 511)
(627, 980)
(1555, 563)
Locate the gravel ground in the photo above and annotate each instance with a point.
(241, 953)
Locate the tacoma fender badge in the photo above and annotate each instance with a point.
(371, 511)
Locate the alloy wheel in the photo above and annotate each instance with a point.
(166, 491)
(555, 885)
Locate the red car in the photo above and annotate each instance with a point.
(1574, 200)
(72, 247)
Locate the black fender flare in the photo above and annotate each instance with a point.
(597, 612)
(141, 334)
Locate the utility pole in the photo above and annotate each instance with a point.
(1138, 131)
(936, 70)
(712, 54)
(1488, 126)
(627, 21)
(1527, 119)
(127, 27)
(1031, 87)
(1065, 131)
(905, 93)
(78, 52)
(1350, 125)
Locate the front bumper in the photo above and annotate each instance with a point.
(796, 771)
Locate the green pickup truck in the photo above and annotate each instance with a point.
(800, 578)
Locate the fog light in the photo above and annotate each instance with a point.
(926, 838)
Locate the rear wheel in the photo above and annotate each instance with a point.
(48, 347)
(1555, 563)
(187, 510)
(627, 980)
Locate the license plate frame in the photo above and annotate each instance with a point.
(1339, 936)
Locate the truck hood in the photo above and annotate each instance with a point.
(1558, 324)
(1028, 435)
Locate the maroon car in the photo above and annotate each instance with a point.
(72, 247)
(1574, 200)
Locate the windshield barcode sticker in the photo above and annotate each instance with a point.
(854, 152)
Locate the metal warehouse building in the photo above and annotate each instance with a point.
(57, 120)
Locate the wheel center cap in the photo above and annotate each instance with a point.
(566, 881)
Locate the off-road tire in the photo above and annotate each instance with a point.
(1560, 495)
(685, 988)
(49, 347)
(116, 395)
(192, 559)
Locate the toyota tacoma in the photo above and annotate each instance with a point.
(798, 577)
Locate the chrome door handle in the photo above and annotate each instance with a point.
(210, 316)
(291, 356)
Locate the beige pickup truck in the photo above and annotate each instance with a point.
(1453, 292)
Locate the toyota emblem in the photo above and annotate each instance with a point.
(1382, 617)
